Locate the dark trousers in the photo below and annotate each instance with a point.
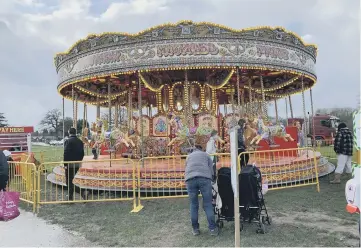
(70, 172)
(204, 185)
(3, 182)
(244, 158)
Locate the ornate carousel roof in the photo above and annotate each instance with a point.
(203, 52)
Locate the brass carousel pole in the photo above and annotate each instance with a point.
(76, 113)
(187, 109)
(305, 122)
(109, 107)
(84, 126)
(130, 105)
(233, 105)
(141, 118)
(242, 103)
(313, 123)
(265, 112)
(63, 121)
(286, 112)
(276, 109)
(73, 101)
(109, 120)
(116, 113)
(98, 108)
(238, 93)
(84, 117)
(289, 99)
(250, 110)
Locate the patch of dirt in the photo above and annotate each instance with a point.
(345, 231)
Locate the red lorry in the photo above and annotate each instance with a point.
(324, 126)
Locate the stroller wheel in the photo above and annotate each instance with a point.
(263, 219)
(220, 224)
(269, 220)
(261, 229)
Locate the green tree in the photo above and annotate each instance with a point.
(52, 120)
(3, 121)
(68, 123)
(79, 126)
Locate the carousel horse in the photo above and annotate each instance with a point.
(280, 131)
(266, 132)
(99, 133)
(122, 138)
(249, 133)
(181, 131)
(84, 136)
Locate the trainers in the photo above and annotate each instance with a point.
(214, 232)
(196, 232)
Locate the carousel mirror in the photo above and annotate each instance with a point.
(208, 97)
(178, 97)
(195, 94)
(165, 99)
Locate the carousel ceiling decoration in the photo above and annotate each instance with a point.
(206, 53)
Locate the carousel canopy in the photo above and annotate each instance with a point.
(207, 54)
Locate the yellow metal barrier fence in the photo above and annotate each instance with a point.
(150, 178)
(285, 168)
(326, 148)
(94, 181)
(163, 177)
(22, 179)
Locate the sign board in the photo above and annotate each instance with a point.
(10, 130)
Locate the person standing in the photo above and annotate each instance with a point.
(343, 147)
(198, 177)
(4, 171)
(73, 152)
(212, 149)
(241, 144)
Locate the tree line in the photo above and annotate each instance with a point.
(52, 124)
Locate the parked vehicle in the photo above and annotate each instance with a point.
(323, 127)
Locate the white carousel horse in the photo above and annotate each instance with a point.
(266, 132)
(184, 133)
(121, 138)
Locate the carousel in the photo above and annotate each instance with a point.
(168, 87)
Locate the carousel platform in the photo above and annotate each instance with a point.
(167, 175)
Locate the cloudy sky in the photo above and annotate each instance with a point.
(32, 31)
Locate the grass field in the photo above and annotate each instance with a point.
(302, 217)
(48, 153)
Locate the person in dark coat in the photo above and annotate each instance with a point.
(4, 171)
(343, 147)
(241, 143)
(73, 151)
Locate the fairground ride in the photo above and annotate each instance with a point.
(178, 82)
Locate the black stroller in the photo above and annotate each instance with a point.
(251, 202)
